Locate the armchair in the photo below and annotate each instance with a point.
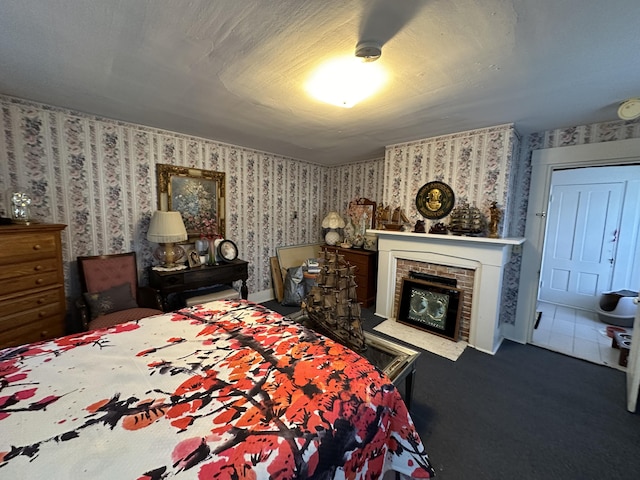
(110, 291)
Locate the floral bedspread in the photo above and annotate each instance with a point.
(224, 390)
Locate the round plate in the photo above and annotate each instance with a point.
(227, 251)
(435, 200)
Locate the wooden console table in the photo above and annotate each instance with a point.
(193, 278)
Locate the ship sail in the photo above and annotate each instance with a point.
(332, 305)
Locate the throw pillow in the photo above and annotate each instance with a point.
(109, 301)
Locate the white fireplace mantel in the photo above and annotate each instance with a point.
(486, 256)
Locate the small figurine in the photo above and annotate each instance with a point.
(419, 228)
(495, 215)
(438, 229)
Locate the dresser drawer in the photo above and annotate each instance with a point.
(37, 312)
(29, 282)
(357, 258)
(361, 264)
(365, 271)
(29, 332)
(14, 304)
(361, 280)
(32, 299)
(18, 270)
(19, 246)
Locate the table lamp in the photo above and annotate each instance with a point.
(165, 229)
(332, 221)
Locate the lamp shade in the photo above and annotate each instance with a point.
(166, 227)
(333, 220)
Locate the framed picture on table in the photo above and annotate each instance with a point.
(194, 259)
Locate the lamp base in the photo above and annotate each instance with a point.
(169, 254)
(332, 237)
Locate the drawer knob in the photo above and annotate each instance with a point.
(37, 268)
(41, 301)
(39, 281)
(37, 246)
(44, 334)
(42, 314)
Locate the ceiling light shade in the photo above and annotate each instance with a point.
(369, 51)
(629, 109)
(167, 228)
(346, 81)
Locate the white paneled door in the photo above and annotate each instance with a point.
(581, 238)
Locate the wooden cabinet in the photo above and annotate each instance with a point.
(366, 263)
(204, 276)
(32, 299)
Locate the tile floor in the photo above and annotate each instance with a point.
(576, 333)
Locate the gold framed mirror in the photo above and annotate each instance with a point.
(199, 195)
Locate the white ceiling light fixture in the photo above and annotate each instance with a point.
(368, 51)
(346, 81)
(629, 109)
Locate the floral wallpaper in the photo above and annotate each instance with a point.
(356, 180)
(476, 164)
(97, 176)
(482, 166)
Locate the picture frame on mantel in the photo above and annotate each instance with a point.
(199, 196)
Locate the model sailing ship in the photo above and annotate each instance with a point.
(332, 305)
(466, 220)
(391, 220)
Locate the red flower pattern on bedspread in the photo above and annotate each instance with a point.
(246, 392)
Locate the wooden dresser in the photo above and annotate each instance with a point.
(366, 263)
(32, 299)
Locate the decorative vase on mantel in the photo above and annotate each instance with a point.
(349, 231)
(358, 237)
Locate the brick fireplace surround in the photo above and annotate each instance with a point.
(476, 262)
(464, 276)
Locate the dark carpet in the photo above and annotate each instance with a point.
(523, 413)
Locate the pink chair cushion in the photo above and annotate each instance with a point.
(122, 316)
(103, 273)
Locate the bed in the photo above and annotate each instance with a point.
(224, 390)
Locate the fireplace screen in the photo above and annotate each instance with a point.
(431, 307)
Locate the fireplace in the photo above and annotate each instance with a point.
(476, 262)
(461, 278)
(433, 307)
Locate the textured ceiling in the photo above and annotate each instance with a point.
(234, 71)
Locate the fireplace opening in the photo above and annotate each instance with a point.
(433, 307)
(427, 277)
